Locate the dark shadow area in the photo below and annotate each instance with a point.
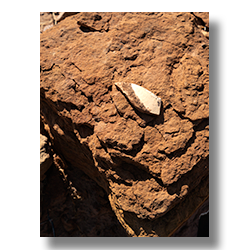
(130, 172)
(191, 226)
(203, 227)
(65, 215)
(61, 129)
(86, 29)
(84, 130)
(199, 126)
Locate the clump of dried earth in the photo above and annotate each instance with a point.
(151, 170)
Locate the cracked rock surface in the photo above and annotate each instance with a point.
(154, 169)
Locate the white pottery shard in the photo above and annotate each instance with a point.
(141, 98)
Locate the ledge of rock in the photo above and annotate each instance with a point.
(154, 169)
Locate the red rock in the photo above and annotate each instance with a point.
(122, 135)
(154, 169)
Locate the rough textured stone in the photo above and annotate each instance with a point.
(45, 156)
(122, 135)
(154, 169)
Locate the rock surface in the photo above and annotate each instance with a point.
(45, 156)
(154, 169)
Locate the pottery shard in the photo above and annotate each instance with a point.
(141, 98)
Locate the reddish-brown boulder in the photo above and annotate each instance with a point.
(154, 169)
